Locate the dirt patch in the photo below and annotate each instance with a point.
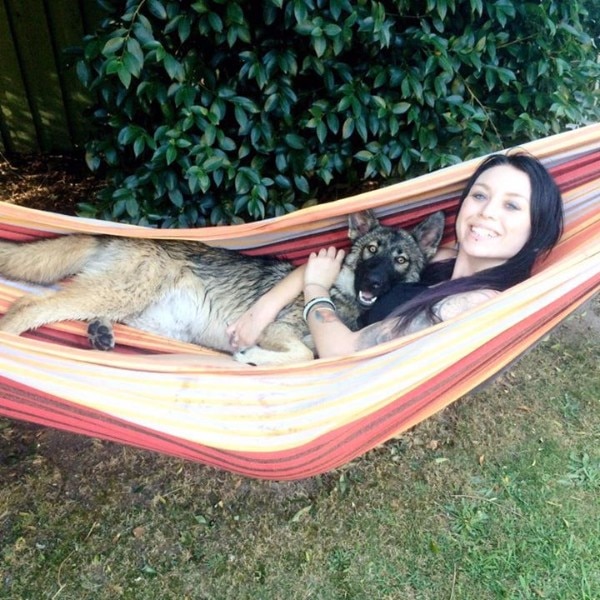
(55, 183)
(585, 322)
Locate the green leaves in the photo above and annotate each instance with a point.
(204, 116)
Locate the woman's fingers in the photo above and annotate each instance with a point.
(331, 252)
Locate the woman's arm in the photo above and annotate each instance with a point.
(247, 329)
(332, 338)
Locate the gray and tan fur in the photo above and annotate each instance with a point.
(190, 291)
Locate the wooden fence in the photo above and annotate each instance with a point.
(41, 100)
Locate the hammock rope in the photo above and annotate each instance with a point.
(297, 421)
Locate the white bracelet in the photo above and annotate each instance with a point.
(312, 303)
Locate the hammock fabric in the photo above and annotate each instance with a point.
(298, 421)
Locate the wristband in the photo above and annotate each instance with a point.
(312, 303)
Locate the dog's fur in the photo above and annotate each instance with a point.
(190, 291)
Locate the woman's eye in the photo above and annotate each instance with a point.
(512, 206)
(479, 196)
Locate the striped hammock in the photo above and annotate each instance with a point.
(297, 421)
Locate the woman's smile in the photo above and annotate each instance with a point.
(481, 232)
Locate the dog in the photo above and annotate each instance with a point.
(190, 291)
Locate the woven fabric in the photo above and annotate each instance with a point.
(298, 421)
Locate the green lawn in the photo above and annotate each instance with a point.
(496, 497)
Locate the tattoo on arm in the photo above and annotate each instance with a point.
(325, 315)
(374, 334)
(384, 331)
(455, 305)
(377, 333)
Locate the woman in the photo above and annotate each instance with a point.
(509, 214)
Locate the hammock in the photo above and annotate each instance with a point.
(297, 421)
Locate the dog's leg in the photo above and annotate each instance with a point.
(33, 311)
(82, 300)
(278, 345)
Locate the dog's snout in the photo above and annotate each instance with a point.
(374, 282)
(373, 276)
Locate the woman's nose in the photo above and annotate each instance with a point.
(489, 209)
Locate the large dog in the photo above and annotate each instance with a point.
(190, 291)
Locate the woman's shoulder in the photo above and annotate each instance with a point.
(454, 305)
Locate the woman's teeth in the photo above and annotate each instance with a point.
(483, 232)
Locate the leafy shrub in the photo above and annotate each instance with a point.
(221, 111)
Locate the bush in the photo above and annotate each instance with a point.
(222, 111)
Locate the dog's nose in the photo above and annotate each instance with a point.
(374, 283)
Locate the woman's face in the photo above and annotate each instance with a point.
(494, 221)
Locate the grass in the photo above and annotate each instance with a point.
(496, 497)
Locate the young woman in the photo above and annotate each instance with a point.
(509, 214)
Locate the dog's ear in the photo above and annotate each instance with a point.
(360, 223)
(429, 233)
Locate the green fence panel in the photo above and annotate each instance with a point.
(16, 121)
(42, 103)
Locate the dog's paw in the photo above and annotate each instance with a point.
(101, 335)
(257, 356)
(246, 356)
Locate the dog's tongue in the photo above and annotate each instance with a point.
(366, 298)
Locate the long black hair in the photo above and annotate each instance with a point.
(546, 210)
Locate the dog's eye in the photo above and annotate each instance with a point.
(372, 248)
(401, 260)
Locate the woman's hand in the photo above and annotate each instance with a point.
(322, 270)
(247, 329)
(317, 276)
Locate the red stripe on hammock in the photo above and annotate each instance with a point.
(14, 233)
(24, 403)
(298, 249)
(79, 340)
(574, 173)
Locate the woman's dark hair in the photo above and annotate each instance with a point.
(546, 229)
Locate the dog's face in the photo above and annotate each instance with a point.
(382, 256)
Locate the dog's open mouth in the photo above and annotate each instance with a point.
(366, 299)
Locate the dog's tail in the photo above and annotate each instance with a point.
(47, 261)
